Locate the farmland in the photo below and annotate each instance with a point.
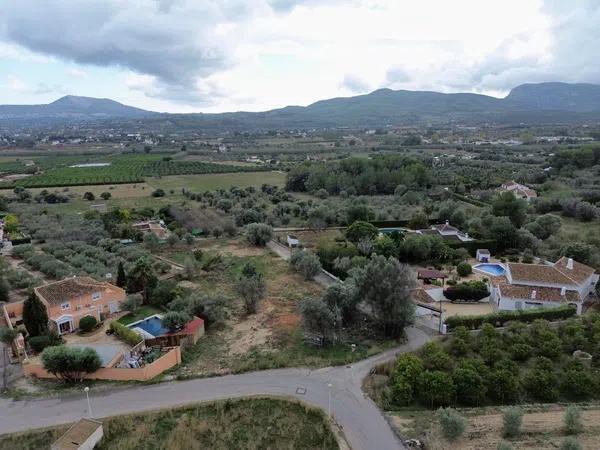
(118, 169)
(213, 181)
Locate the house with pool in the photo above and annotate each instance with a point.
(516, 286)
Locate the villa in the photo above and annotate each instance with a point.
(447, 232)
(525, 286)
(69, 300)
(519, 190)
(156, 227)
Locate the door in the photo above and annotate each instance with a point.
(64, 327)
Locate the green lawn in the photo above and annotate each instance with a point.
(259, 423)
(209, 182)
(141, 313)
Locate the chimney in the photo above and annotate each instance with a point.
(570, 263)
(563, 291)
(447, 222)
(533, 294)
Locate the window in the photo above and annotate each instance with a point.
(96, 296)
(64, 306)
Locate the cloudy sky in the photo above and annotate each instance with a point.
(227, 55)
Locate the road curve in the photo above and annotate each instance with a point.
(364, 426)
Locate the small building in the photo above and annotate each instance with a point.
(84, 435)
(519, 190)
(292, 241)
(156, 227)
(429, 275)
(483, 255)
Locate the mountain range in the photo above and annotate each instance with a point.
(551, 102)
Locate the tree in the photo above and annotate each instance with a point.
(452, 423)
(121, 277)
(174, 320)
(35, 316)
(217, 232)
(172, 240)
(418, 221)
(259, 234)
(317, 318)
(511, 422)
(151, 242)
(470, 386)
(360, 230)
(4, 290)
(435, 388)
(305, 262)
(7, 336)
(89, 196)
(189, 268)
(384, 285)
(132, 303)
(342, 298)
(544, 226)
(69, 363)
(158, 193)
(251, 287)
(506, 204)
(142, 277)
(11, 223)
(405, 375)
(105, 195)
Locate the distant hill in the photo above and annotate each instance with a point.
(71, 106)
(527, 103)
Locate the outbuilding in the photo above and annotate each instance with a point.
(84, 435)
(483, 255)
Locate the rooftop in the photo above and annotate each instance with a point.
(77, 435)
(537, 293)
(558, 273)
(59, 291)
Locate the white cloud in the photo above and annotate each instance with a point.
(258, 54)
(16, 84)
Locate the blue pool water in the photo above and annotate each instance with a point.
(152, 325)
(391, 230)
(496, 270)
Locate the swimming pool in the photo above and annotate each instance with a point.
(495, 270)
(391, 230)
(151, 326)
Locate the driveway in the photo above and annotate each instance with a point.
(363, 424)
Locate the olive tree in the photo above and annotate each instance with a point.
(259, 234)
(305, 262)
(69, 363)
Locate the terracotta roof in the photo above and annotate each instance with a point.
(64, 290)
(542, 294)
(192, 326)
(430, 273)
(528, 192)
(579, 273)
(537, 273)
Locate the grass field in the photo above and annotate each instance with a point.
(260, 423)
(542, 428)
(141, 313)
(209, 182)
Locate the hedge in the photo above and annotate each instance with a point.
(470, 291)
(499, 318)
(473, 246)
(125, 333)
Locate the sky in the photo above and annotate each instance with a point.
(254, 55)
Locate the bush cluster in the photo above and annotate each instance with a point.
(125, 333)
(469, 291)
(500, 318)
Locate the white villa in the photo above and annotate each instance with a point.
(446, 231)
(527, 286)
(519, 190)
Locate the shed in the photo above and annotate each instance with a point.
(292, 241)
(84, 435)
(483, 255)
(427, 275)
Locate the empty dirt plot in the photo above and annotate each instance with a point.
(466, 309)
(542, 429)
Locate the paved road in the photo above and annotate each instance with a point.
(285, 253)
(363, 424)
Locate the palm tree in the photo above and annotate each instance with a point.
(142, 277)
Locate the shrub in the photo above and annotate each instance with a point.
(502, 317)
(70, 364)
(259, 234)
(158, 193)
(452, 423)
(470, 386)
(572, 420)
(125, 333)
(570, 443)
(39, 343)
(464, 269)
(435, 388)
(512, 421)
(87, 323)
(468, 291)
(175, 319)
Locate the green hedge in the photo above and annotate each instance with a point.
(472, 246)
(499, 318)
(126, 333)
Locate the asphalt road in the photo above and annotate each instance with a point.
(363, 425)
